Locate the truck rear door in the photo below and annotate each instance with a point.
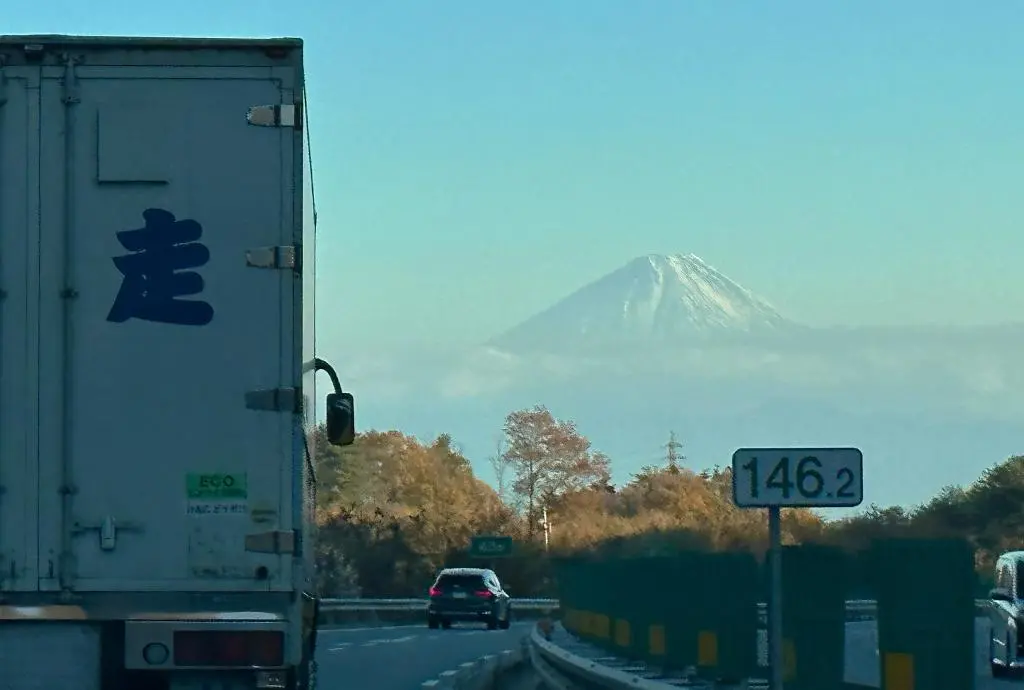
(19, 318)
(167, 459)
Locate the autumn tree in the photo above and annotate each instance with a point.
(500, 466)
(336, 575)
(391, 508)
(988, 514)
(548, 458)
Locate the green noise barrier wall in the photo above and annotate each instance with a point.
(699, 610)
(926, 628)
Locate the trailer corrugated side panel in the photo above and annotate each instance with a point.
(153, 328)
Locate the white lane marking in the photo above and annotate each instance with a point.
(458, 633)
(388, 640)
(333, 631)
(372, 643)
(341, 646)
(446, 678)
(454, 633)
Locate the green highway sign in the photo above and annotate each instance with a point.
(490, 547)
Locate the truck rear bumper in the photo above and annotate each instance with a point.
(204, 645)
(55, 656)
(265, 643)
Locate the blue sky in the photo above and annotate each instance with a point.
(475, 161)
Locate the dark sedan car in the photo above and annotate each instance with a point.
(468, 594)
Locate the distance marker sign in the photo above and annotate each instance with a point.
(798, 477)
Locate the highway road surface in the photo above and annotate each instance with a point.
(402, 657)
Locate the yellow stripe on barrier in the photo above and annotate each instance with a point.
(788, 659)
(622, 636)
(603, 626)
(656, 640)
(899, 671)
(707, 649)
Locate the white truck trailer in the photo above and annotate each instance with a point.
(156, 366)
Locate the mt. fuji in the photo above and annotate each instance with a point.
(668, 342)
(654, 300)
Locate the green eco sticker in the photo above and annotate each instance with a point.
(217, 486)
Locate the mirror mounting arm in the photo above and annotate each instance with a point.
(323, 365)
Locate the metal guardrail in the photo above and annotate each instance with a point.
(570, 669)
(337, 611)
(358, 604)
(547, 656)
(854, 607)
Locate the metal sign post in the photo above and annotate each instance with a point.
(775, 653)
(776, 478)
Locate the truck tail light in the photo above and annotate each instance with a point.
(249, 648)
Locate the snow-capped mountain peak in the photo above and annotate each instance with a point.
(666, 299)
(685, 287)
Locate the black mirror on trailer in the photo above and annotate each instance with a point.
(341, 409)
(341, 419)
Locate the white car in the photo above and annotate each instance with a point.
(1006, 613)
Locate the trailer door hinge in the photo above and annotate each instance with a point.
(3, 80)
(282, 115)
(275, 400)
(108, 529)
(285, 257)
(276, 541)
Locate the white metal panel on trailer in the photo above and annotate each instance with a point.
(19, 240)
(153, 328)
(49, 656)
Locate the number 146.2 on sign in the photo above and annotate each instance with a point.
(797, 477)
